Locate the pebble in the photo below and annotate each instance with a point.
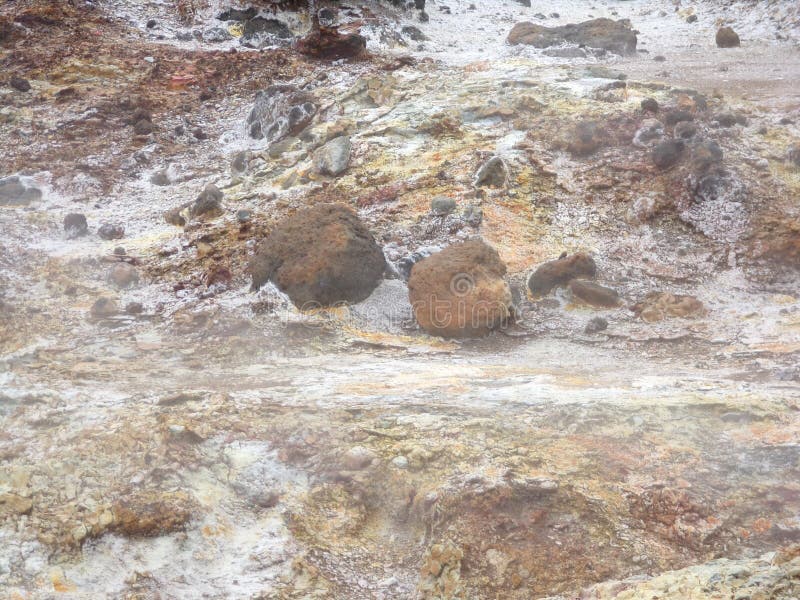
(442, 205)
(123, 275)
(108, 231)
(103, 307)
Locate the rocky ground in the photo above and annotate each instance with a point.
(170, 433)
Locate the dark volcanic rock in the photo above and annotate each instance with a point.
(328, 43)
(595, 325)
(280, 111)
(19, 84)
(667, 153)
(614, 36)
(320, 256)
(75, 225)
(460, 291)
(594, 294)
(559, 272)
(706, 154)
(259, 32)
(727, 38)
(650, 105)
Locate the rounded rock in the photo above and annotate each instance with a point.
(460, 291)
(320, 256)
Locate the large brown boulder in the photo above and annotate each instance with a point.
(460, 291)
(320, 256)
(614, 36)
(560, 272)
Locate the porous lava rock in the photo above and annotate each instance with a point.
(460, 292)
(320, 256)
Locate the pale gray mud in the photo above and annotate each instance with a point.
(186, 437)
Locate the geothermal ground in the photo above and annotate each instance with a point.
(168, 433)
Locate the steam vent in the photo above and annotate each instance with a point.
(400, 300)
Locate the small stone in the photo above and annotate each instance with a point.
(20, 84)
(199, 134)
(143, 127)
(107, 231)
(123, 275)
(595, 325)
(691, 19)
(334, 157)
(473, 214)
(103, 307)
(357, 458)
(244, 215)
(401, 462)
(160, 178)
(594, 294)
(442, 205)
(134, 308)
(727, 38)
(119, 251)
(208, 204)
(240, 161)
(587, 137)
(75, 225)
(561, 271)
(493, 173)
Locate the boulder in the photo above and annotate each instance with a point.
(614, 36)
(320, 256)
(280, 111)
(657, 306)
(460, 291)
(334, 157)
(727, 38)
(667, 153)
(14, 193)
(594, 294)
(560, 272)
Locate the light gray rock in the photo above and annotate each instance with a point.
(334, 157)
